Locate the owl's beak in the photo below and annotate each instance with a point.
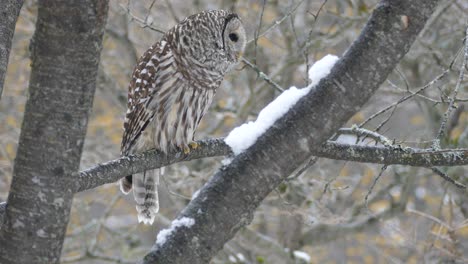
(239, 55)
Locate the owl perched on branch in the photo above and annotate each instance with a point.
(171, 89)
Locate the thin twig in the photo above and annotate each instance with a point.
(316, 15)
(312, 160)
(172, 192)
(384, 167)
(278, 22)
(447, 178)
(438, 78)
(143, 23)
(173, 13)
(149, 12)
(451, 106)
(257, 32)
(262, 75)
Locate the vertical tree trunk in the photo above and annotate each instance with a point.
(65, 56)
(9, 11)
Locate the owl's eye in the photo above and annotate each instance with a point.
(234, 37)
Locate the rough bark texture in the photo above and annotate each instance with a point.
(227, 202)
(112, 171)
(65, 54)
(9, 11)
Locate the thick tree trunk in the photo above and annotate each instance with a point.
(9, 11)
(65, 54)
(228, 201)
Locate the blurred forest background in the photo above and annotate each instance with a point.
(324, 214)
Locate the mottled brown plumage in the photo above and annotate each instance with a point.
(171, 89)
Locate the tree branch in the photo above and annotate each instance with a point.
(9, 12)
(112, 171)
(228, 201)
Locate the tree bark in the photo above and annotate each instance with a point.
(228, 201)
(9, 12)
(65, 55)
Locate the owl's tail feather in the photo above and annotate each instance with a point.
(126, 184)
(145, 191)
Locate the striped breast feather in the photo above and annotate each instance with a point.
(142, 88)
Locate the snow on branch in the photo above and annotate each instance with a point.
(178, 223)
(244, 136)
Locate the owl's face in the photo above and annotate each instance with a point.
(234, 38)
(212, 39)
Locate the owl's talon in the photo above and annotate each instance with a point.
(186, 149)
(193, 145)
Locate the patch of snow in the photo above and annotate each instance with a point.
(321, 69)
(165, 233)
(301, 255)
(232, 259)
(244, 136)
(226, 161)
(240, 257)
(195, 194)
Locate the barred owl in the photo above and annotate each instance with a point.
(171, 89)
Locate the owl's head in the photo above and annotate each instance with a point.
(234, 38)
(213, 39)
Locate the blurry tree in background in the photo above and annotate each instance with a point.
(330, 210)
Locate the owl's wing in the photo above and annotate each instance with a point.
(141, 91)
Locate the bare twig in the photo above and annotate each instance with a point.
(384, 167)
(316, 15)
(278, 22)
(257, 31)
(438, 78)
(306, 166)
(172, 10)
(143, 22)
(447, 178)
(451, 106)
(262, 75)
